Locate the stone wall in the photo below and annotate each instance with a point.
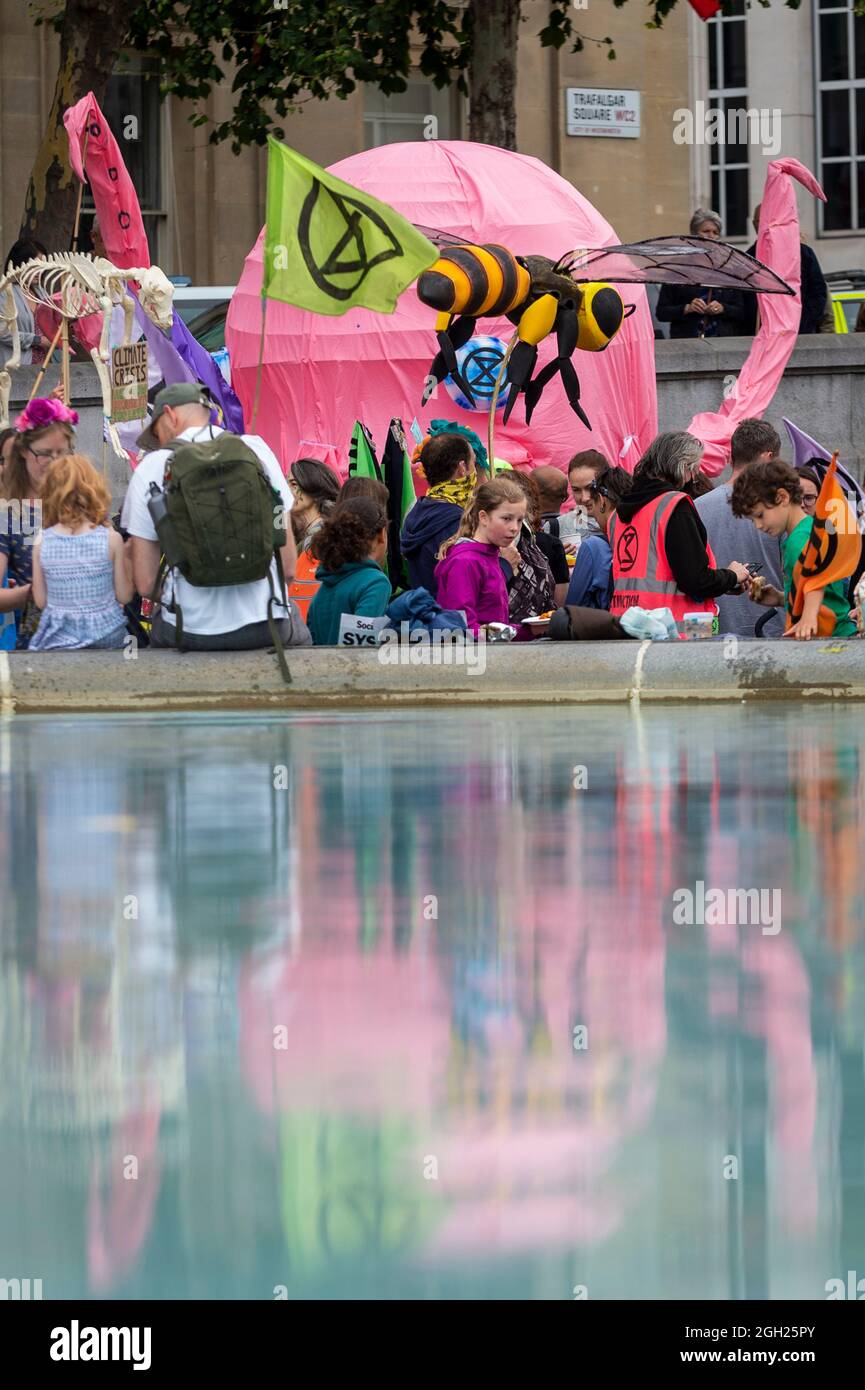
(822, 390)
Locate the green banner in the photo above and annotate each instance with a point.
(328, 247)
(362, 462)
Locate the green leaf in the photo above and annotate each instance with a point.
(551, 38)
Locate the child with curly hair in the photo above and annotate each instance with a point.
(350, 548)
(81, 577)
(770, 493)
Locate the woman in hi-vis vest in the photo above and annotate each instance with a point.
(314, 488)
(661, 557)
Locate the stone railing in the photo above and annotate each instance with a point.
(822, 390)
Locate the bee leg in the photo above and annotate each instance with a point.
(567, 330)
(450, 339)
(511, 402)
(521, 364)
(535, 388)
(572, 390)
(565, 367)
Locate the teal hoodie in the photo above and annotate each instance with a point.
(362, 588)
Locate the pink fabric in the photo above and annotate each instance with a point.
(87, 331)
(113, 191)
(778, 247)
(321, 374)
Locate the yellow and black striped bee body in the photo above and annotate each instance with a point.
(537, 295)
(475, 280)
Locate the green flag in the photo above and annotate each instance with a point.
(362, 462)
(328, 247)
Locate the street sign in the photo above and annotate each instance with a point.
(603, 111)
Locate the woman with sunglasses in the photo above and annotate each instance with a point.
(44, 433)
(591, 583)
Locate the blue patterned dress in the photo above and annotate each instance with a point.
(82, 610)
(20, 529)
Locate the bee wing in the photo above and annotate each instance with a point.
(439, 238)
(672, 260)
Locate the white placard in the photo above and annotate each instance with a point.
(129, 382)
(355, 631)
(603, 111)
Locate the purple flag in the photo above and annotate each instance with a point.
(171, 364)
(807, 450)
(205, 370)
(804, 447)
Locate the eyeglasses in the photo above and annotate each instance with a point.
(46, 455)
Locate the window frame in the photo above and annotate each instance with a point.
(851, 85)
(716, 97)
(159, 216)
(415, 120)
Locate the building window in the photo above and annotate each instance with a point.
(133, 110)
(840, 49)
(422, 112)
(728, 91)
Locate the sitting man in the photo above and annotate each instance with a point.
(734, 538)
(448, 462)
(233, 617)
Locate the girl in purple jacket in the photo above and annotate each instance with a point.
(468, 574)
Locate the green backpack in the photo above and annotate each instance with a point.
(220, 521)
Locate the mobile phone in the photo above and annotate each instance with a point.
(753, 568)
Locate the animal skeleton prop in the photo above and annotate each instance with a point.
(74, 285)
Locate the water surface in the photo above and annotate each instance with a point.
(396, 1005)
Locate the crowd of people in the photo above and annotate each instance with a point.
(479, 549)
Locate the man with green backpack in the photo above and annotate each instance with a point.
(208, 515)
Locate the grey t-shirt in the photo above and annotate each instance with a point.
(737, 538)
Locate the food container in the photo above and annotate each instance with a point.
(538, 623)
(696, 627)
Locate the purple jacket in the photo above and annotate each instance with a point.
(470, 577)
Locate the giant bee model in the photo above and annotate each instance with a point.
(572, 295)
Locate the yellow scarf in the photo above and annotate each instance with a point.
(458, 490)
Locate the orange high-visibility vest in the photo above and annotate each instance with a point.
(304, 586)
(642, 576)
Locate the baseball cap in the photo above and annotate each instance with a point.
(180, 393)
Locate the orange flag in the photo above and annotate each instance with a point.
(832, 552)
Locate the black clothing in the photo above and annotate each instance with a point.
(556, 557)
(815, 293)
(686, 542)
(427, 526)
(554, 553)
(671, 309)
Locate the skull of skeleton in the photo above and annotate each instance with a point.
(156, 294)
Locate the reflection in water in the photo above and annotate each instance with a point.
(387, 1006)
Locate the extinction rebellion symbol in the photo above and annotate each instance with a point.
(626, 549)
(348, 255)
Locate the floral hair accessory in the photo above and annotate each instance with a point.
(41, 413)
